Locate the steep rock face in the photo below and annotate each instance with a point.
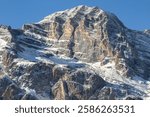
(78, 85)
(93, 35)
(79, 53)
(10, 91)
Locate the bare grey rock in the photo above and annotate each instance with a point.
(77, 85)
(9, 90)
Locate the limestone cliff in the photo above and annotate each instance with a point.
(79, 53)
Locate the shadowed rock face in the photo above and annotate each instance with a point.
(10, 91)
(53, 59)
(77, 85)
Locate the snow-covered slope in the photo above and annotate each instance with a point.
(79, 53)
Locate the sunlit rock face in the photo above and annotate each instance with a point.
(79, 53)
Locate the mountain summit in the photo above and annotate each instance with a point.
(79, 53)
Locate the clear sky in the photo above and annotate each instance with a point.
(135, 14)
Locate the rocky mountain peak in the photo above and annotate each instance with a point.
(79, 12)
(78, 53)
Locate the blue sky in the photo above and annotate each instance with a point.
(135, 14)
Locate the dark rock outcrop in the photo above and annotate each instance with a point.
(10, 91)
(77, 85)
